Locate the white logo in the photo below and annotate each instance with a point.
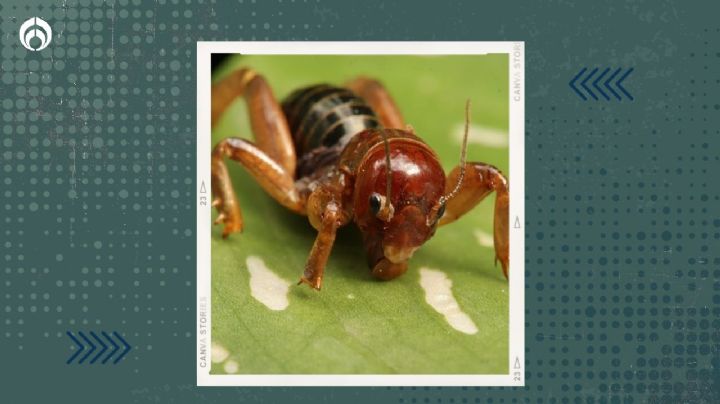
(35, 28)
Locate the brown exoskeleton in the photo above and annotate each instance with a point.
(341, 154)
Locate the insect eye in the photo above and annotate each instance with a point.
(441, 211)
(375, 203)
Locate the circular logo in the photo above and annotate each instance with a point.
(33, 30)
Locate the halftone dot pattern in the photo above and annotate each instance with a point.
(96, 180)
(622, 213)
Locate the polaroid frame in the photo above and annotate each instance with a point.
(516, 148)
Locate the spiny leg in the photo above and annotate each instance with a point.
(268, 173)
(380, 101)
(268, 122)
(481, 179)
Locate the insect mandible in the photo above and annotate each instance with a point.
(342, 154)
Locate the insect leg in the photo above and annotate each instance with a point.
(480, 180)
(268, 122)
(375, 94)
(268, 173)
(315, 266)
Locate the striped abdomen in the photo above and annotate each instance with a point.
(322, 120)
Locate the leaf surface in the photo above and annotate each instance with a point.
(357, 324)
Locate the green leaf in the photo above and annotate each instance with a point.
(357, 324)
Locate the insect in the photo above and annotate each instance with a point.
(342, 154)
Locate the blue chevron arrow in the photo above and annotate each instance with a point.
(84, 341)
(597, 80)
(113, 351)
(92, 347)
(592, 73)
(618, 84)
(104, 348)
(127, 347)
(572, 84)
(607, 82)
(80, 347)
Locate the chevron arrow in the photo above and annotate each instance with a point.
(593, 84)
(618, 84)
(104, 347)
(596, 82)
(115, 349)
(572, 84)
(101, 342)
(127, 347)
(92, 347)
(607, 82)
(79, 345)
(592, 73)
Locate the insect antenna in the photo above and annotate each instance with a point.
(463, 153)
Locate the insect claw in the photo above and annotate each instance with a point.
(307, 282)
(220, 219)
(216, 202)
(230, 226)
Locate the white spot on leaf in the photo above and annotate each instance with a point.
(266, 286)
(482, 135)
(483, 238)
(219, 353)
(231, 366)
(438, 294)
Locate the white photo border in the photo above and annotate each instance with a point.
(516, 74)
